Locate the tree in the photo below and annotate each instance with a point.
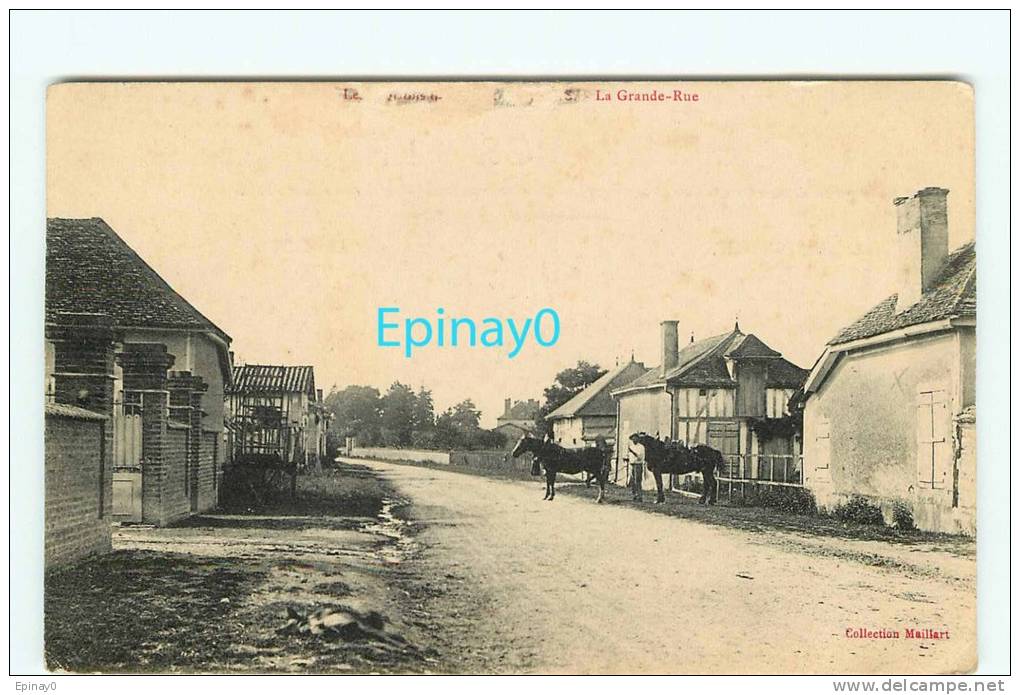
(355, 412)
(466, 415)
(457, 428)
(397, 415)
(423, 415)
(568, 383)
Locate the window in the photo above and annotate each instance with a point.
(821, 451)
(934, 442)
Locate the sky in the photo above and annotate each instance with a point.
(289, 213)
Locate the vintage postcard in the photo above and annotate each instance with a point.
(511, 377)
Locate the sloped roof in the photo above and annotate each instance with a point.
(522, 410)
(268, 378)
(783, 374)
(749, 346)
(954, 294)
(72, 411)
(90, 269)
(703, 364)
(522, 426)
(595, 399)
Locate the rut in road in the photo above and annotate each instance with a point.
(571, 586)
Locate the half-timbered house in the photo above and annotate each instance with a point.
(730, 391)
(276, 410)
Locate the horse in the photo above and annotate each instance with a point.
(680, 459)
(557, 459)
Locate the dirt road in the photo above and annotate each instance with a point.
(579, 587)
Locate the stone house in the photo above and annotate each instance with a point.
(518, 418)
(114, 331)
(889, 410)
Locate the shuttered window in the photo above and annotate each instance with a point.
(822, 451)
(934, 443)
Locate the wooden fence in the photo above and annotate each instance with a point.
(741, 471)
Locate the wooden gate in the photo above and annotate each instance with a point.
(127, 462)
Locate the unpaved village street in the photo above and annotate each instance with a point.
(470, 573)
(574, 586)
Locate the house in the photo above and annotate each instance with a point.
(518, 418)
(730, 391)
(122, 344)
(276, 409)
(591, 412)
(889, 406)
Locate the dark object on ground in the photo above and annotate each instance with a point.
(341, 623)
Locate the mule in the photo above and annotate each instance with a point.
(680, 459)
(557, 459)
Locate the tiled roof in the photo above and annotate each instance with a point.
(749, 346)
(703, 364)
(522, 426)
(595, 398)
(953, 294)
(783, 374)
(90, 269)
(72, 411)
(266, 378)
(522, 410)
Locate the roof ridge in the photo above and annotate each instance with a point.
(951, 295)
(723, 338)
(591, 393)
(965, 286)
(104, 227)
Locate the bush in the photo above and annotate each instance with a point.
(859, 510)
(795, 500)
(903, 516)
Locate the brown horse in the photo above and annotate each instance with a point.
(680, 459)
(557, 459)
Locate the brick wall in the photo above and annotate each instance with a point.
(78, 485)
(207, 471)
(175, 499)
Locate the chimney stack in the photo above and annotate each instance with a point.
(922, 238)
(670, 346)
(506, 406)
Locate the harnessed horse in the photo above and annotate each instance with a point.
(680, 459)
(557, 459)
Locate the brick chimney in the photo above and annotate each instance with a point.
(670, 346)
(922, 238)
(506, 407)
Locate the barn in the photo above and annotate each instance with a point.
(591, 413)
